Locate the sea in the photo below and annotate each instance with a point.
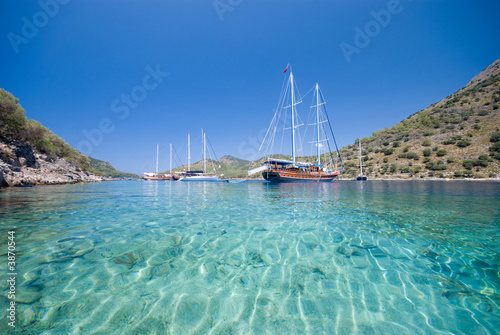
(163, 257)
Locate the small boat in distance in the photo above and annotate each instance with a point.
(360, 177)
(280, 170)
(156, 175)
(198, 175)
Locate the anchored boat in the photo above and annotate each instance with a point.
(281, 170)
(198, 175)
(360, 177)
(155, 175)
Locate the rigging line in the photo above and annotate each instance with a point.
(210, 146)
(283, 87)
(178, 158)
(333, 135)
(305, 95)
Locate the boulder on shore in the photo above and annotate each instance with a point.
(20, 165)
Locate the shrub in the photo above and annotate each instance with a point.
(34, 131)
(407, 148)
(386, 159)
(388, 152)
(440, 165)
(441, 153)
(393, 169)
(461, 174)
(449, 141)
(495, 106)
(426, 160)
(476, 127)
(450, 160)
(463, 143)
(470, 163)
(406, 169)
(417, 169)
(412, 155)
(426, 142)
(495, 137)
(385, 143)
(396, 144)
(482, 113)
(427, 152)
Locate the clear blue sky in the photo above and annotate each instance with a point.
(225, 61)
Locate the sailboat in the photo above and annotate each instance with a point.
(199, 175)
(360, 177)
(280, 170)
(155, 175)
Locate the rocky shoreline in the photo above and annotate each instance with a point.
(21, 165)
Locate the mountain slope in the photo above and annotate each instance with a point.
(453, 138)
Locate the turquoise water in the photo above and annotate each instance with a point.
(254, 258)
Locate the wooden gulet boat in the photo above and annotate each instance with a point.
(280, 170)
(155, 175)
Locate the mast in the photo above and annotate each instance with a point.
(317, 122)
(360, 165)
(293, 119)
(170, 158)
(189, 152)
(157, 159)
(204, 151)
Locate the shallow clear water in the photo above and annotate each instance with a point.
(254, 258)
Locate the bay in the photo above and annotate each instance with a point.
(133, 257)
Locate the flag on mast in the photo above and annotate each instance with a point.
(286, 68)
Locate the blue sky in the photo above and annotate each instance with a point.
(131, 74)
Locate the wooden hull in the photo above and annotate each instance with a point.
(157, 178)
(277, 176)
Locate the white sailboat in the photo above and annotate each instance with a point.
(199, 175)
(360, 177)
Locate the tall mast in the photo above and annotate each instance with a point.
(189, 152)
(204, 151)
(317, 122)
(360, 164)
(157, 159)
(293, 119)
(170, 158)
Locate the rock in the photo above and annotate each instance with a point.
(3, 182)
(20, 165)
(24, 151)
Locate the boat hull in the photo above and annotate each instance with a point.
(199, 178)
(361, 178)
(277, 176)
(157, 178)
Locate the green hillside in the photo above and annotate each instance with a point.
(455, 138)
(16, 127)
